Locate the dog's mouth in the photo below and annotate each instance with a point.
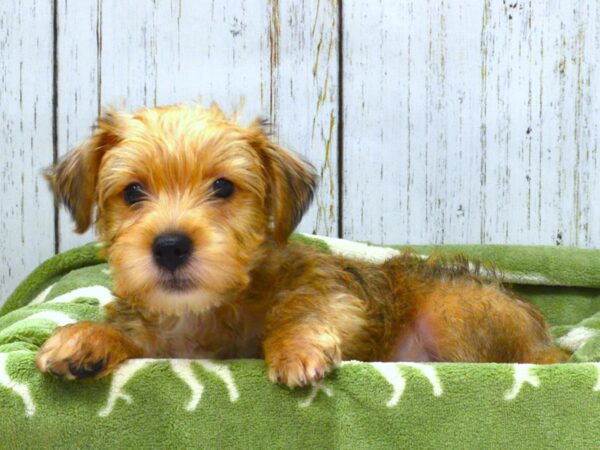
(176, 283)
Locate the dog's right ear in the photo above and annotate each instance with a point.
(74, 178)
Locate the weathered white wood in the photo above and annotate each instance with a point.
(26, 206)
(78, 58)
(214, 51)
(304, 92)
(471, 121)
(541, 121)
(180, 51)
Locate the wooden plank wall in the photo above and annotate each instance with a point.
(428, 121)
(26, 138)
(471, 122)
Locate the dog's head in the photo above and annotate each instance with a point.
(184, 197)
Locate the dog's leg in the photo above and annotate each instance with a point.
(85, 350)
(469, 322)
(307, 335)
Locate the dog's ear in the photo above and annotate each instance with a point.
(74, 178)
(292, 183)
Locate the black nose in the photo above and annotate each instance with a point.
(171, 250)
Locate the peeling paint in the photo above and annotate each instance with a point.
(495, 118)
(274, 33)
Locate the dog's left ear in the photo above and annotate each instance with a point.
(292, 183)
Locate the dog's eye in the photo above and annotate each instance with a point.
(222, 188)
(134, 193)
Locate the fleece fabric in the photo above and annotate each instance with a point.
(179, 403)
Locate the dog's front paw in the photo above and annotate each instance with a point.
(300, 362)
(83, 350)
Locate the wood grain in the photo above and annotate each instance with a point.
(471, 122)
(304, 92)
(26, 206)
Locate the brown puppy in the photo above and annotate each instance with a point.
(195, 211)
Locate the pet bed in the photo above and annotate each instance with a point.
(230, 404)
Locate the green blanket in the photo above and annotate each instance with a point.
(231, 404)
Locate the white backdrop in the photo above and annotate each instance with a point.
(429, 121)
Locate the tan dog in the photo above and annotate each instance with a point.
(195, 211)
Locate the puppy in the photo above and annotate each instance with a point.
(195, 212)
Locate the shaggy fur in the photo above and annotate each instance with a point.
(245, 292)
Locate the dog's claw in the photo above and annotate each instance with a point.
(84, 350)
(81, 372)
(55, 373)
(299, 370)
